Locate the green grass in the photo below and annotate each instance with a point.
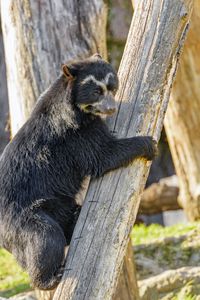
(186, 297)
(141, 234)
(12, 279)
(164, 254)
(186, 293)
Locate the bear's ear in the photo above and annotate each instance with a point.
(96, 56)
(67, 72)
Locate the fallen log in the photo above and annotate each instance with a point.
(168, 281)
(160, 197)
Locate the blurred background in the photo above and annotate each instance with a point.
(36, 37)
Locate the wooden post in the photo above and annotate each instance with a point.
(182, 122)
(146, 74)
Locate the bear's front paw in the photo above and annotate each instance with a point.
(150, 148)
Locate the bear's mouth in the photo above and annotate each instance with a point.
(89, 108)
(98, 109)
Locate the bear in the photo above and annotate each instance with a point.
(64, 141)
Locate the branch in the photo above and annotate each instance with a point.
(146, 74)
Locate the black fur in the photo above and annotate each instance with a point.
(42, 168)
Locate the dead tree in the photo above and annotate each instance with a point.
(4, 133)
(146, 74)
(127, 286)
(41, 35)
(182, 121)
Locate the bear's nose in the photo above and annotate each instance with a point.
(111, 110)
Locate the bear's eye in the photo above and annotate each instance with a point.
(98, 92)
(89, 107)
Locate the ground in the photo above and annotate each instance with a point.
(156, 250)
(12, 279)
(167, 260)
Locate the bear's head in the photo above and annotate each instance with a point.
(94, 85)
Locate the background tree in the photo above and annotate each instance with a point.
(182, 120)
(41, 35)
(4, 132)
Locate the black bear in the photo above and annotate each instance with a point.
(42, 168)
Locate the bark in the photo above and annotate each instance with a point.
(41, 35)
(161, 196)
(146, 73)
(44, 295)
(127, 288)
(4, 132)
(135, 3)
(182, 121)
(119, 20)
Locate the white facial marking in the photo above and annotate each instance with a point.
(97, 82)
(106, 79)
(103, 83)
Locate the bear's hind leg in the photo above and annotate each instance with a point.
(44, 244)
(65, 212)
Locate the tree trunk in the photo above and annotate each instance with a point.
(41, 35)
(119, 20)
(182, 121)
(127, 288)
(146, 74)
(4, 133)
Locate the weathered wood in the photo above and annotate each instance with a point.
(4, 133)
(146, 73)
(119, 20)
(41, 35)
(135, 3)
(161, 196)
(127, 288)
(182, 121)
